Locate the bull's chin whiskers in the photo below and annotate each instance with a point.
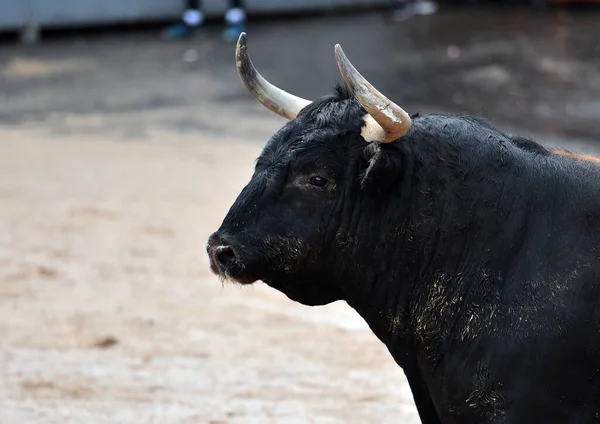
(226, 277)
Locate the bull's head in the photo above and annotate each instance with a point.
(296, 220)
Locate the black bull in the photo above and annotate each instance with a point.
(472, 254)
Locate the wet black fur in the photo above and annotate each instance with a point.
(472, 254)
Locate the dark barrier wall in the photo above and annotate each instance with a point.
(16, 14)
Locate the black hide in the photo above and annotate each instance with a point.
(473, 255)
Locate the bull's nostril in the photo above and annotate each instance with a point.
(225, 255)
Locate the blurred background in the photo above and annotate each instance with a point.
(125, 135)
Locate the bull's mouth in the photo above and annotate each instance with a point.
(233, 273)
(229, 266)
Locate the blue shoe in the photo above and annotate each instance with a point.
(232, 31)
(177, 31)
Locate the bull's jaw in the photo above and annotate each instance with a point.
(309, 294)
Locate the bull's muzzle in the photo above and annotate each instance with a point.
(225, 260)
(222, 256)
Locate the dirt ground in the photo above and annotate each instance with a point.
(109, 312)
(120, 154)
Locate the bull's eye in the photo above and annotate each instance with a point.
(318, 181)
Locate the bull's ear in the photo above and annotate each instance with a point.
(379, 170)
(372, 154)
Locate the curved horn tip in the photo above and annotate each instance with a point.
(242, 39)
(274, 98)
(339, 53)
(346, 68)
(241, 44)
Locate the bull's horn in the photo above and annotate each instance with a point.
(275, 99)
(389, 121)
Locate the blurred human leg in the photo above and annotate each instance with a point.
(402, 10)
(235, 20)
(191, 19)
